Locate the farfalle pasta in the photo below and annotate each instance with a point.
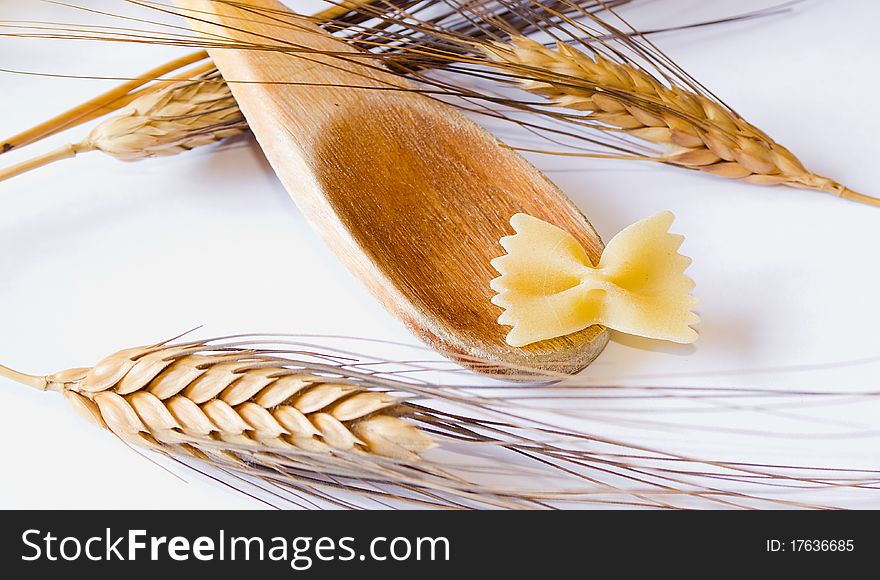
(548, 286)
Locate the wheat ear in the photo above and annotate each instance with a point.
(287, 421)
(344, 17)
(297, 418)
(231, 404)
(164, 122)
(120, 96)
(98, 106)
(694, 131)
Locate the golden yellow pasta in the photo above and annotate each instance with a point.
(548, 287)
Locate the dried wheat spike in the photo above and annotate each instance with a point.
(310, 424)
(235, 404)
(695, 131)
(167, 121)
(171, 120)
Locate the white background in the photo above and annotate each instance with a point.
(97, 255)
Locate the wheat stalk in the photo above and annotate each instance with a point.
(167, 121)
(694, 130)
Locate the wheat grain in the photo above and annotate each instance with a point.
(694, 130)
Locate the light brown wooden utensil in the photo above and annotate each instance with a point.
(411, 195)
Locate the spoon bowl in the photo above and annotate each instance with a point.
(410, 194)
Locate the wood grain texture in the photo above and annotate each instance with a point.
(411, 195)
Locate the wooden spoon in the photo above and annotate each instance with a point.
(411, 195)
